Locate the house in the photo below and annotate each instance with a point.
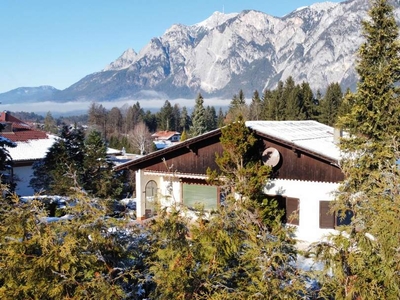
(163, 139)
(303, 155)
(32, 145)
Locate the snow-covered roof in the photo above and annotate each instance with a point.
(32, 149)
(309, 135)
(112, 151)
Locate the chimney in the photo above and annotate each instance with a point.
(337, 135)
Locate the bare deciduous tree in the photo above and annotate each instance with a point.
(140, 138)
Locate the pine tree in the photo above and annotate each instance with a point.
(364, 257)
(6, 159)
(211, 118)
(165, 119)
(198, 117)
(98, 177)
(255, 109)
(134, 115)
(50, 124)
(62, 165)
(232, 252)
(329, 106)
(220, 118)
(237, 108)
(176, 117)
(82, 256)
(184, 122)
(308, 109)
(269, 105)
(289, 105)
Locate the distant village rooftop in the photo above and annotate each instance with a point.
(18, 131)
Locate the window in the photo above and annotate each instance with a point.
(291, 206)
(196, 194)
(292, 211)
(150, 195)
(328, 220)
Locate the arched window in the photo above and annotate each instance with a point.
(151, 195)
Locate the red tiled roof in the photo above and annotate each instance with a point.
(164, 135)
(26, 135)
(6, 117)
(21, 131)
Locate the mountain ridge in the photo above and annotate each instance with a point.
(226, 52)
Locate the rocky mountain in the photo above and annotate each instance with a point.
(28, 94)
(227, 52)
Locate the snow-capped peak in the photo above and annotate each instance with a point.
(123, 62)
(216, 19)
(323, 6)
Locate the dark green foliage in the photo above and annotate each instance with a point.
(289, 102)
(255, 109)
(165, 117)
(6, 161)
(237, 108)
(134, 115)
(211, 118)
(240, 163)
(185, 121)
(176, 118)
(98, 177)
(198, 117)
(5, 158)
(376, 114)
(72, 161)
(308, 108)
(86, 256)
(269, 108)
(221, 118)
(231, 254)
(119, 141)
(330, 104)
(50, 124)
(62, 165)
(234, 252)
(364, 257)
(150, 120)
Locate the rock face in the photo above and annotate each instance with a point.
(227, 52)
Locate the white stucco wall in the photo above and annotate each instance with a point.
(23, 176)
(168, 191)
(309, 193)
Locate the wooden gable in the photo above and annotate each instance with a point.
(300, 164)
(195, 155)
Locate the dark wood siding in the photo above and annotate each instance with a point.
(194, 159)
(298, 165)
(195, 156)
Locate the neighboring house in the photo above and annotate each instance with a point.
(304, 156)
(164, 139)
(32, 145)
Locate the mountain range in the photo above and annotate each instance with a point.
(227, 52)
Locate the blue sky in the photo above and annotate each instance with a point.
(50, 42)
